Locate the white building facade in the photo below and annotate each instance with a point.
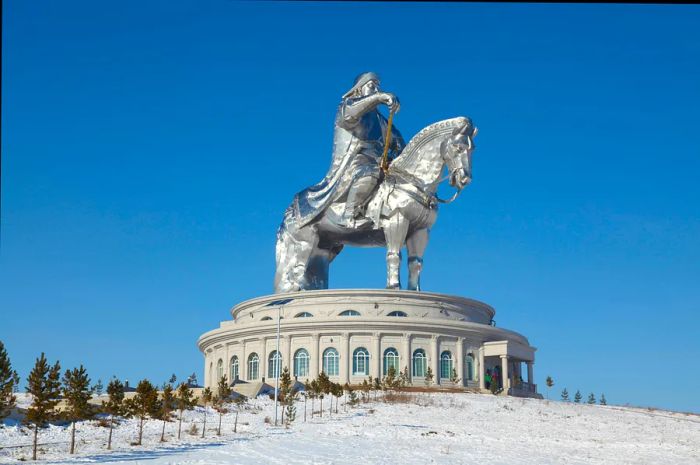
(351, 334)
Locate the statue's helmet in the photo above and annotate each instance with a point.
(360, 81)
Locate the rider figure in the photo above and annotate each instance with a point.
(358, 115)
(358, 144)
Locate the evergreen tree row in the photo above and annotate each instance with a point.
(578, 397)
(48, 388)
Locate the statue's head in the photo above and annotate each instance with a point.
(457, 152)
(365, 84)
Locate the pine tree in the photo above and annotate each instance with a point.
(591, 399)
(404, 378)
(323, 386)
(192, 380)
(429, 376)
(207, 397)
(223, 392)
(578, 397)
(44, 384)
(144, 404)
(338, 393)
(285, 389)
(167, 405)
(288, 397)
(352, 397)
(311, 392)
(98, 388)
(549, 382)
(172, 379)
(602, 400)
(377, 387)
(565, 395)
(184, 400)
(370, 388)
(9, 383)
(454, 377)
(115, 405)
(389, 381)
(240, 400)
(77, 393)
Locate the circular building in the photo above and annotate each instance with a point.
(351, 334)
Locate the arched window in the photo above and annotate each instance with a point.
(303, 315)
(330, 361)
(234, 368)
(274, 362)
(391, 359)
(265, 318)
(469, 367)
(349, 313)
(253, 365)
(446, 365)
(397, 313)
(219, 370)
(301, 363)
(212, 382)
(360, 362)
(420, 363)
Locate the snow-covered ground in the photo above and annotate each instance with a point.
(433, 428)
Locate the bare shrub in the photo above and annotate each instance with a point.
(103, 422)
(268, 420)
(193, 429)
(398, 398)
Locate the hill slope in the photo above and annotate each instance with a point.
(435, 428)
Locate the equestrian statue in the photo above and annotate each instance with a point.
(378, 192)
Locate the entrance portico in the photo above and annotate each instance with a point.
(505, 358)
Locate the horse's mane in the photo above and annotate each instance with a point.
(425, 136)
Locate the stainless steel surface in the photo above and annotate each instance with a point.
(356, 204)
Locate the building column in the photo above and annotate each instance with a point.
(482, 369)
(345, 358)
(314, 356)
(376, 356)
(284, 353)
(530, 374)
(460, 360)
(504, 373)
(289, 356)
(406, 357)
(227, 364)
(435, 359)
(263, 360)
(243, 365)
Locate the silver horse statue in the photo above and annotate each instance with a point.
(400, 211)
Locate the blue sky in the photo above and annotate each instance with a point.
(149, 150)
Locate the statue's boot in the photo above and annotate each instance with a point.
(357, 196)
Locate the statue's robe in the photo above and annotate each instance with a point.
(358, 145)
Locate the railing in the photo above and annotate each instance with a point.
(523, 386)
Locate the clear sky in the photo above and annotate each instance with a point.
(149, 150)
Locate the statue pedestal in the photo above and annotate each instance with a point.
(355, 333)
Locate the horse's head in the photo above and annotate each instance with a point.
(457, 153)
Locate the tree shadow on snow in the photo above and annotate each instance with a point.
(150, 454)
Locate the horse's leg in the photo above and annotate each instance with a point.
(395, 230)
(416, 244)
(293, 251)
(317, 268)
(304, 249)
